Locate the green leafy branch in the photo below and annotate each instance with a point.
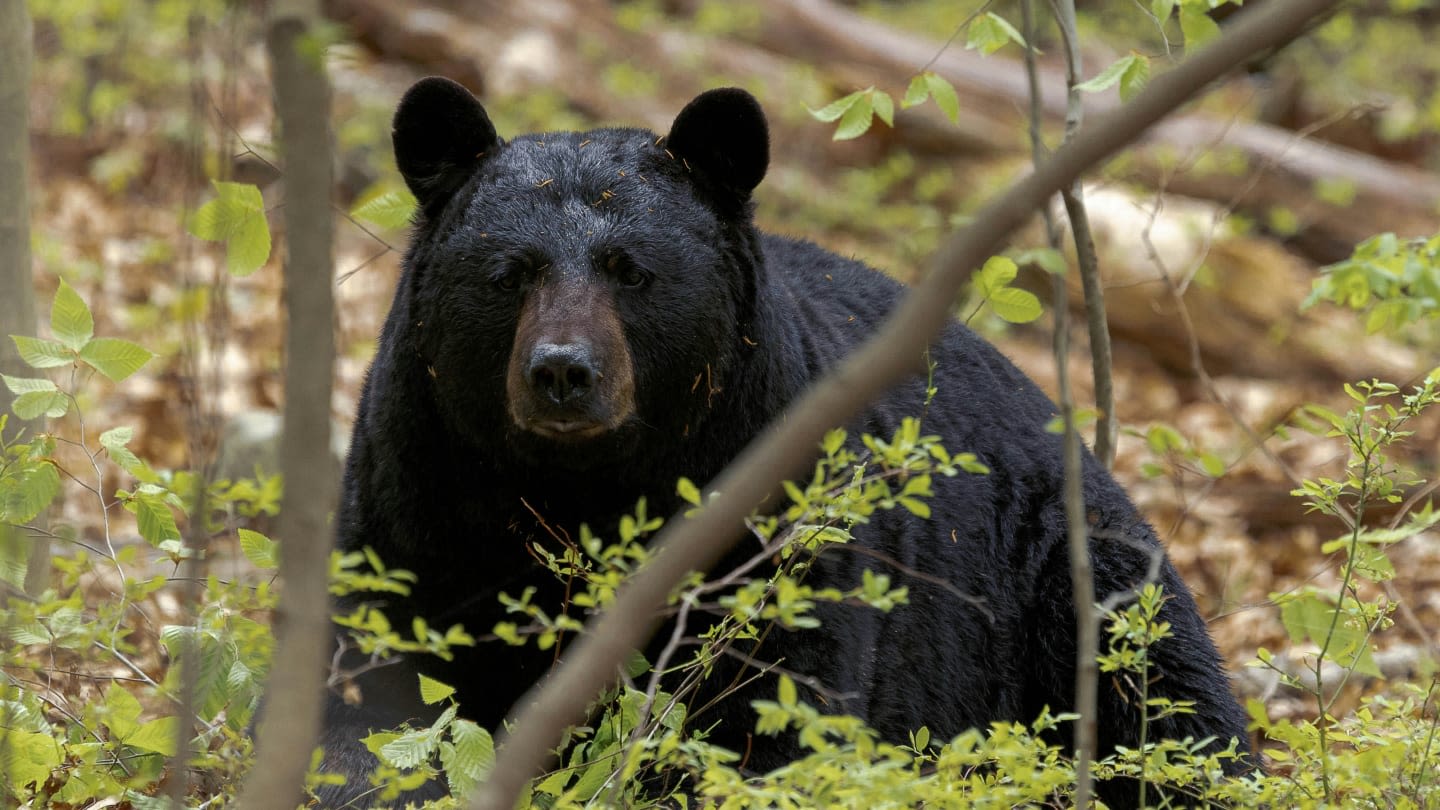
(1395, 281)
(991, 287)
(74, 344)
(1340, 624)
(409, 757)
(235, 217)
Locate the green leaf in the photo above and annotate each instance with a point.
(921, 740)
(239, 676)
(30, 634)
(29, 757)
(916, 92)
(40, 353)
(687, 491)
(787, 695)
(990, 33)
(1015, 305)
(1010, 30)
(411, 749)
(35, 404)
(433, 691)
(248, 250)
(115, 358)
(945, 96)
(797, 495)
(262, 552)
(236, 217)
(221, 218)
(1197, 27)
(1136, 76)
(1212, 465)
(918, 485)
(1372, 564)
(1363, 661)
(28, 385)
(114, 441)
(997, 272)
(390, 209)
(156, 736)
(857, 119)
(122, 712)
(1307, 619)
(835, 109)
(15, 547)
(1048, 259)
(1337, 191)
(1109, 76)
(70, 319)
(30, 493)
(155, 520)
(470, 758)
(375, 742)
(1164, 439)
(917, 508)
(635, 665)
(884, 107)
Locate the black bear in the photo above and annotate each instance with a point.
(562, 295)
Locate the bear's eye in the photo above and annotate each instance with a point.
(632, 277)
(510, 282)
(624, 271)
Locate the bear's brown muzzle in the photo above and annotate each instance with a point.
(570, 375)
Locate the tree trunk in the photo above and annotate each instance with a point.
(17, 289)
(291, 720)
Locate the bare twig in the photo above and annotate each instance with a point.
(1107, 427)
(1087, 633)
(1082, 578)
(977, 602)
(888, 357)
(193, 566)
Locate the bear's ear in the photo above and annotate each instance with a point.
(722, 134)
(441, 133)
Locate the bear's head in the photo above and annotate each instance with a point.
(573, 292)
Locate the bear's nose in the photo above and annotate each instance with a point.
(562, 373)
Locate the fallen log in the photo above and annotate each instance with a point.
(1283, 167)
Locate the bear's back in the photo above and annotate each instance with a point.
(839, 303)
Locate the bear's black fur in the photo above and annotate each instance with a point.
(584, 318)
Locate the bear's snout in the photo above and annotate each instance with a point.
(570, 375)
(564, 374)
